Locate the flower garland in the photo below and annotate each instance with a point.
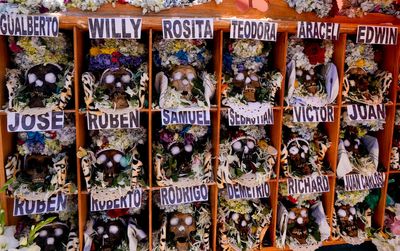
(359, 8)
(395, 154)
(312, 78)
(244, 81)
(321, 7)
(182, 155)
(246, 156)
(363, 82)
(242, 224)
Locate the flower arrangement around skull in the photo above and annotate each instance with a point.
(117, 76)
(352, 8)
(182, 155)
(113, 159)
(185, 227)
(246, 156)
(183, 80)
(312, 77)
(43, 73)
(363, 82)
(247, 77)
(392, 212)
(242, 224)
(395, 154)
(321, 7)
(41, 166)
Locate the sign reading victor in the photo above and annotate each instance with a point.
(118, 120)
(124, 28)
(261, 116)
(253, 29)
(318, 30)
(313, 114)
(188, 28)
(238, 191)
(307, 185)
(182, 195)
(185, 116)
(19, 122)
(356, 182)
(376, 34)
(25, 25)
(55, 203)
(366, 112)
(133, 199)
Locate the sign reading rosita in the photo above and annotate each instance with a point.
(55, 203)
(182, 116)
(23, 25)
(183, 195)
(318, 30)
(18, 122)
(133, 199)
(366, 112)
(310, 184)
(376, 34)
(313, 114)
(105, 120)
(127, 28)
(239, 119)
(253, 29)
(356, 182)
(238, 191)
(188, 28)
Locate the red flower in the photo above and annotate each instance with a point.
(116, 54)
(292, 199)
(117, 212)
(15, 48)
(114, 60)
(314, 52)
(122, 1)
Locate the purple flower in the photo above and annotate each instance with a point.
(166, 137)
(189, 139)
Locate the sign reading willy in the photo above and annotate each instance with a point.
(123, 28)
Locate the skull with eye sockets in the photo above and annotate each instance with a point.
(114, 82)
(36, 168)
(182, 80)
(298, 218)
(41, 82)
(111, 162)
(53, 236)
(299, 154)
(249, 82)
(109, 235)
(245, 148)
(182, 225)
(348, 220)
(242, 222)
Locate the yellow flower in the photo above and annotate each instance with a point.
(296, 83)
(360, 63)
(94, 51)
(107, 50)
(263, 144)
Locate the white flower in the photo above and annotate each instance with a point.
(7, 240)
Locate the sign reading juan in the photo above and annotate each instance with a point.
(366, 112)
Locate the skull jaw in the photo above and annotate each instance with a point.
(120, 101)
(300, 234)
(182, 244)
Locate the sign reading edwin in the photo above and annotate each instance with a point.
(125, 28)
(33, 26)
(253, 29)
(133, 199)
(307, 185)
(188, 28)
(318, 30)
(55, 203)
(366, 112)
(377, 34)
(356, 182)
(237, 191)
(183, 195)
(18, 122)
(96, 121)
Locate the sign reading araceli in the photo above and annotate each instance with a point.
(318, 30)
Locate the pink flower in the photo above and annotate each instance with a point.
(395, 227)
(15, 48)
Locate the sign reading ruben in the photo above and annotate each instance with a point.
(19, 122)
(24, 25)
(185, 116)
(124, 28)
(103, 120)
(318, 30)
(307, 185)
(313, 114)
(376, 34)
(237, 191)
(188, 28)
(356, 182)
(55, 203)
(366, 112)
(133, 199)
(253, 29)
(183, 195)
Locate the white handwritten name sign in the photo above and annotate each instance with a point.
(183, 195)
(123, 28)
(48, 121)
(250, 114)
(237, 191)
(377, 34)
(188, 28)
(308, 185)
(357, 182)
(366, 112)
(55, 203)
(185, 116)
(318, 30)
(26, 25)
(313, 114)
(132, 199)
(96, 121)
(253, 29)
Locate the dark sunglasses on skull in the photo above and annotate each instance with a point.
(36, 169)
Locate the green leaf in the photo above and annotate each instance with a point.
(6, 185)
(35, 229)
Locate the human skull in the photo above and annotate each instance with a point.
(182, 80)
(182, 225)
(53, 236)
(299, 153)
(36, 168)
(249, 82)
(182, 154)
(114, 83)
(245, 148)
(110, 161)
(41, 82)
(109, 234)
(348, 220)
(298, 218)
(242, 223)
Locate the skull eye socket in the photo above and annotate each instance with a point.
(100, 230)
(342, 213)
(237, 146)
(175, 150)
(254, 77)
(352, 210)
(346, 143)
(240, 77)
(190, 76)
(43, 233)
(243, 223)
(177, 75)
(292, 215)
(303, 213)
(58, 232)
(117, 158)
(189, 148)
(174, 221)
(32, 78)
(305, 148)
(250, 144)
(110, 79)
(294, 150)
(188, 220)
(126, 79)
(113, 229)
(101, 159)
(50, 78)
